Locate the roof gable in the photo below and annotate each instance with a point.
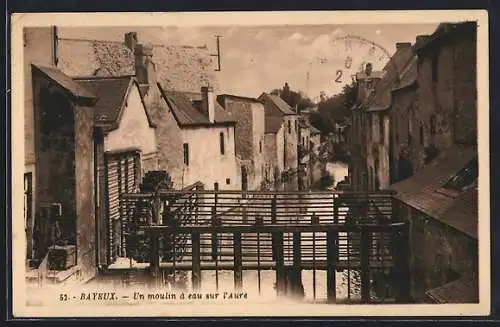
(272, 124)
(67, 83)
(381, 97)
(112, 95)
(278, 103)
(185, 107)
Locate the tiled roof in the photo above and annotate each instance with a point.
(111, 93)
(381, 97)
(279, 103)
(177, 67)
(185, 108)
(66, 82)
(424, 191)
(408, 76)
(272, 124)
(445, 29)
(463, 290)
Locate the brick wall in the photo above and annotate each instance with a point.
(439, 253)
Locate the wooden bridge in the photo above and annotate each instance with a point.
(170, 231)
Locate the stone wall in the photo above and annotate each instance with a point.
(291, 141)
(84, 191)
(180, 68)
(439, 253)
(168, 136)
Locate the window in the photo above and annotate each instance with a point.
(221, 137)
(289, 127)
(186, 153)
(260, 146)
(216, 186)
(228, 181)
(295, 126)
(421, 134)
(434, 68)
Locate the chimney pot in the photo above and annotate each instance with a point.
(421, 38)
(403, 45)
(145, 71)
(131, 40)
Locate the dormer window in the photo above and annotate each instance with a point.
(464, 178)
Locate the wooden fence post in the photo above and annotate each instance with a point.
(280, 263)
(365, 266)
(331, 284)
(196, 261)
(215, 241)
(273, 221)
(238, 262)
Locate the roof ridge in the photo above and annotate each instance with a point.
(95, 78)
(161, 45)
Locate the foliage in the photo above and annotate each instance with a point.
(335, 109)
(295, 99)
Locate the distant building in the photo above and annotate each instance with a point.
(276, 110)
(208, 136)
(358, 170)
(274, 147)
(249, 136)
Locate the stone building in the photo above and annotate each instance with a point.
(126, 150)
(275, 107)
(59, 194)
(274, 147)
(61, 184)
(208, 136)
(167, 67)
(439, 195)
(249, 136)
(358, 171)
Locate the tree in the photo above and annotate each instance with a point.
(295, 99)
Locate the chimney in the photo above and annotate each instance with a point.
(421, 38)
(131, 40)
(402, 45)
(368, 69)
(208, 102)
(144, 66)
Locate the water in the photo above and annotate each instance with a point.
(267, 278)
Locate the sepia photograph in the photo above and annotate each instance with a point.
(250, 164)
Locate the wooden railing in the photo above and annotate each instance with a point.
(288, 272)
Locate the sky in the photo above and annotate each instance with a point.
(256, 59)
